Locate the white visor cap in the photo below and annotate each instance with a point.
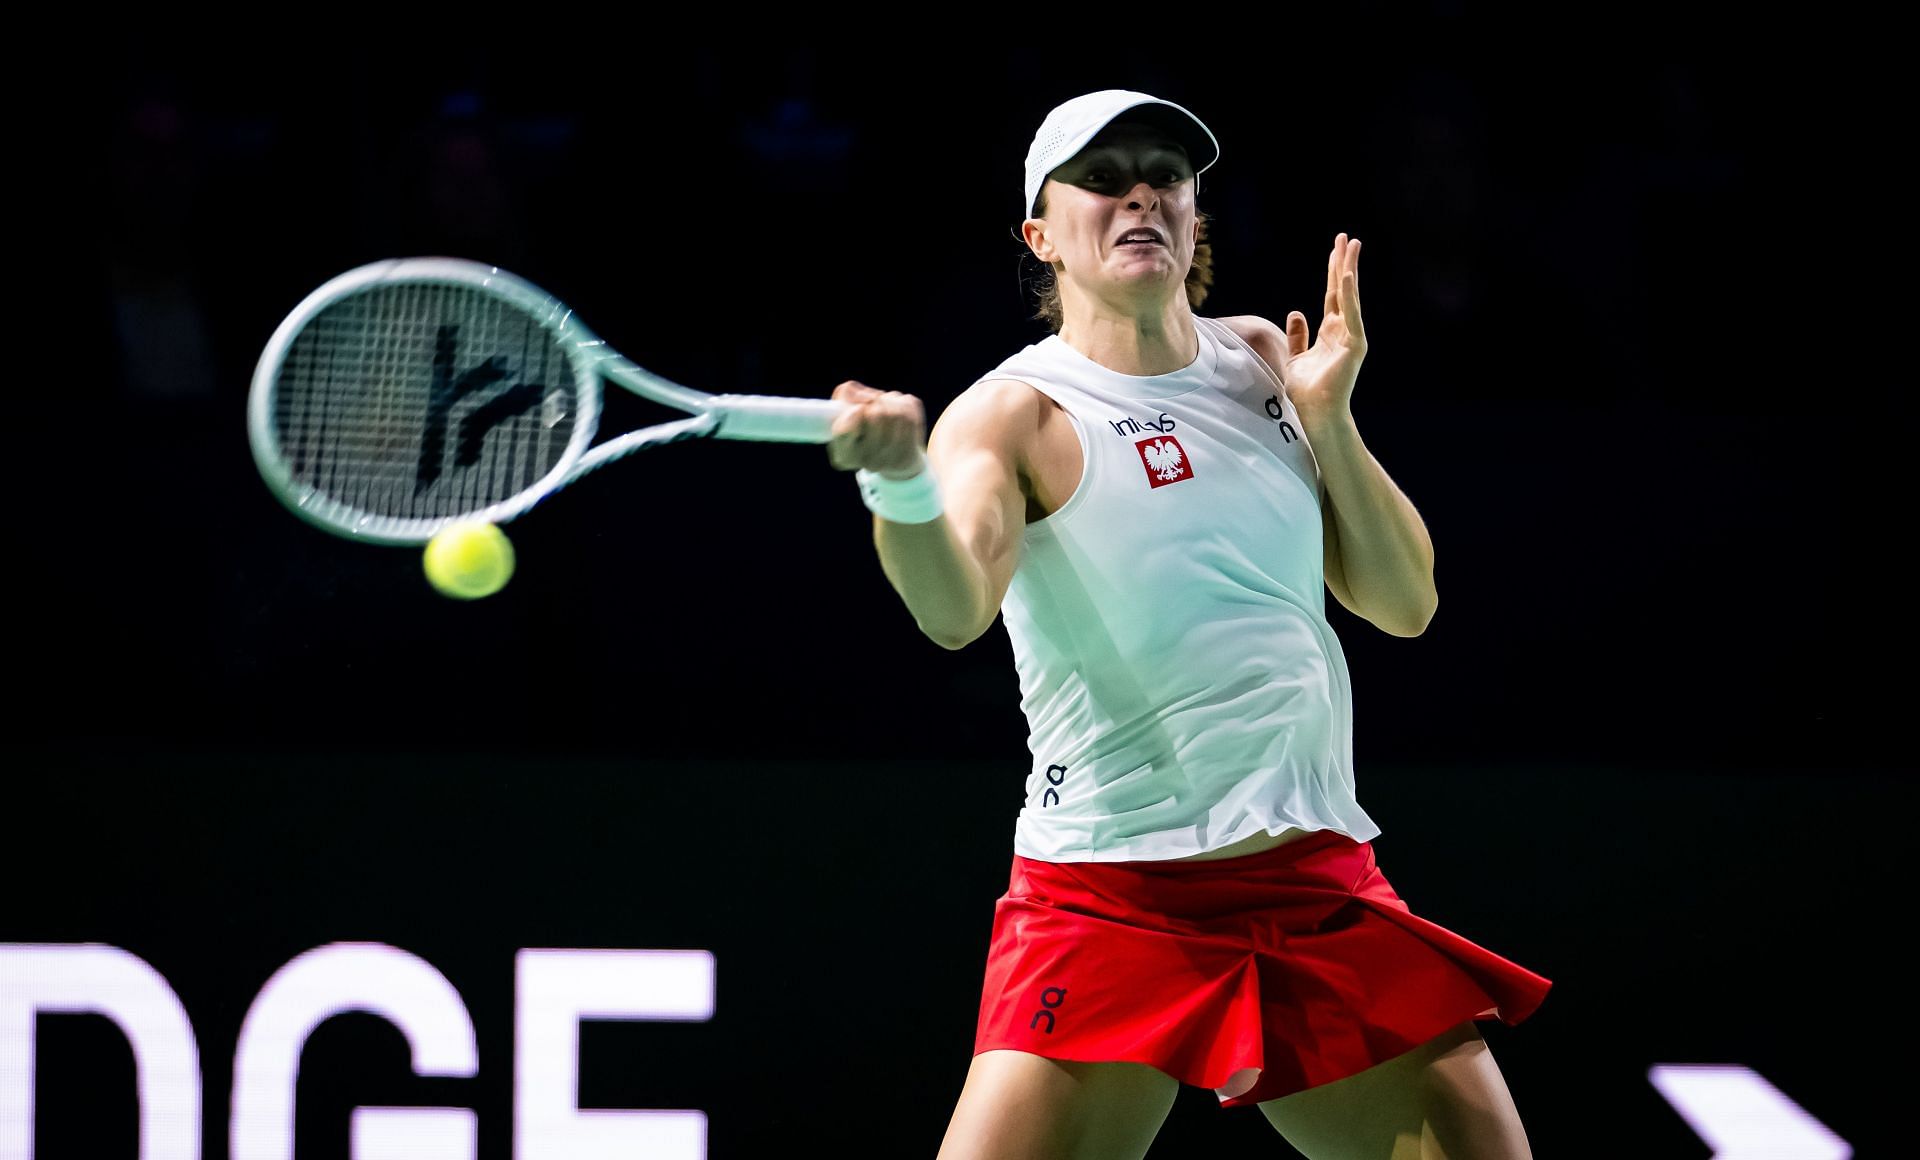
(1070, 126)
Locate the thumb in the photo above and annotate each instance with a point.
(854, 391)
(1296, 333)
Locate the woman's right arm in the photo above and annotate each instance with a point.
(952, 571)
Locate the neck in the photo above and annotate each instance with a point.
(1132, 338)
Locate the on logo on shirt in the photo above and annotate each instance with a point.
(1165, 460)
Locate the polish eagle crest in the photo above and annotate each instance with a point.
(1163, 456)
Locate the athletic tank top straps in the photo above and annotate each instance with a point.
(1181, 685)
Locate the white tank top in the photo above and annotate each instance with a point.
(1182, 687)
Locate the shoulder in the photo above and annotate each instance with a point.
(1000, 414)
(997, 401)
(1265, 337)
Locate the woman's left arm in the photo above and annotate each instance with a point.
(1377, 539)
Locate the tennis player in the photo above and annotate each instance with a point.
(1157, 503)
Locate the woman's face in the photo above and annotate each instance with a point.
(1120, 212)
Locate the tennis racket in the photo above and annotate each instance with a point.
(415, 393)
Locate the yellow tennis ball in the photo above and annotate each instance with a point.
(470, 560)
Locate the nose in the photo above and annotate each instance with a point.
(1143, 196)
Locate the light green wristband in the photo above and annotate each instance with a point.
(901, 501)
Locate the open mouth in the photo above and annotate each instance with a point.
(1141, 237)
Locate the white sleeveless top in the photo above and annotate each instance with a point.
(1182, 687)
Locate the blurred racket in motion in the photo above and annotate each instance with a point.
(415, 393)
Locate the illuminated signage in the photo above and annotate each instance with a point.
(554, 991)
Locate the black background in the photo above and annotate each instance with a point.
(1634, 751)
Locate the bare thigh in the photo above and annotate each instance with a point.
(1019, 1106)
(1444, 1100)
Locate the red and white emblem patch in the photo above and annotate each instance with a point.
(1164, 460)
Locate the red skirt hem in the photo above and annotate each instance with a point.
(1255, 977)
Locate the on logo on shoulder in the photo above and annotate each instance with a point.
(1166, 462)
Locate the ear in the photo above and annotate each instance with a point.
(1033, 231)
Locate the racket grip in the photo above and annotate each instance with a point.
(774, 419)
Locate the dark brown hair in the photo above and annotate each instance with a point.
(1046, 287)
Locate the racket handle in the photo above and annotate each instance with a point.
(773, 419)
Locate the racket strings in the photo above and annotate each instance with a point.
(424, 401)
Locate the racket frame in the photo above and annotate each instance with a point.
(589, 358)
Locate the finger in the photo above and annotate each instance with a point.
(1350, 292)
(848, 434)
(899, 438)
(912, 411)
(902, 413)
(854, 392)
(1332, 303)
(851, 423)
(839, 455)
(1296, 333)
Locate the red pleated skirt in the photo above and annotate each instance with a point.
(1256, 976)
